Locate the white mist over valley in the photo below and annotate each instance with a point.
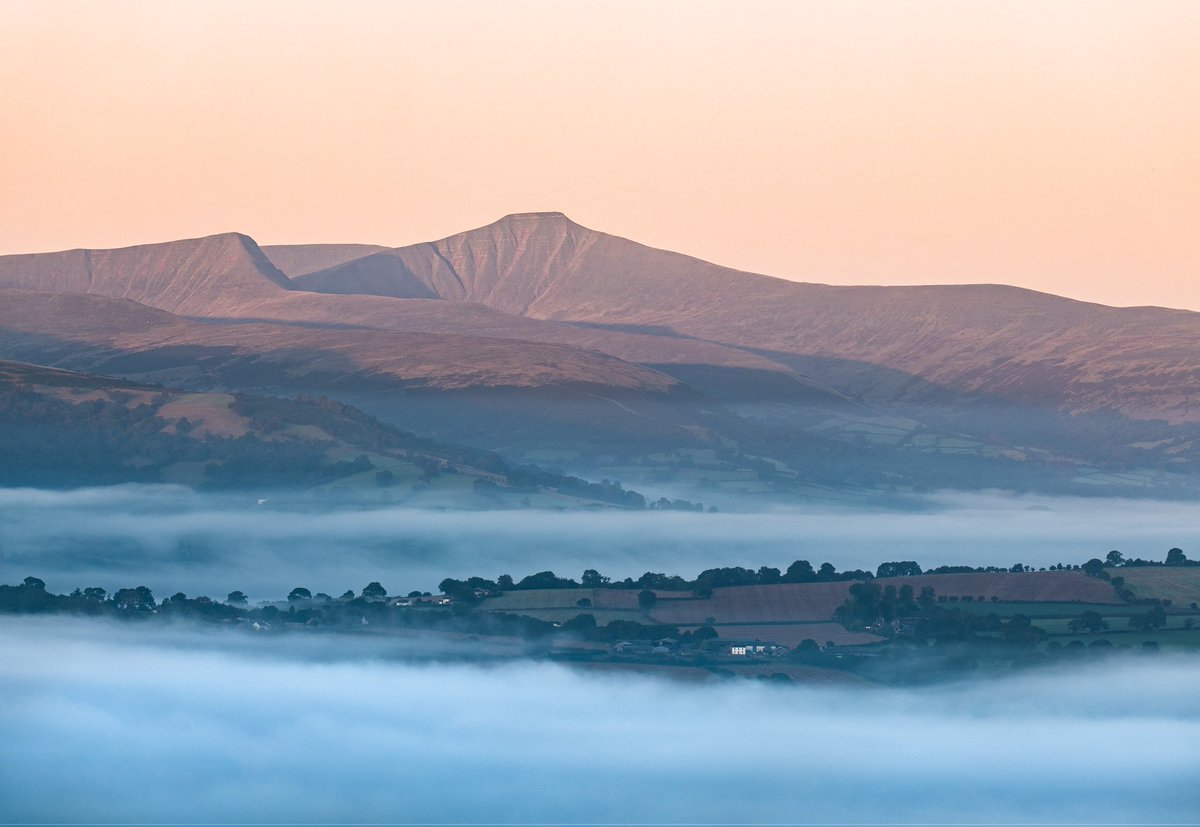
(169, 537)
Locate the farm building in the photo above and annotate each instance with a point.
(750, 649)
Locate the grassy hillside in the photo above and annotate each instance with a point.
(67, 429)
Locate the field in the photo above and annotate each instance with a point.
(1178, 584)
(602, 599)
(1045, 609)
(782, 603)
(1037, 594)
(791, 634)
(1169, 639)
(1034, 586)
(1117, 623)
(209, 413)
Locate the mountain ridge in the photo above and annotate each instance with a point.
(547, 267)
(536, 334)
(197, 275)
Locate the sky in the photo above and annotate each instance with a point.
(1052, 145)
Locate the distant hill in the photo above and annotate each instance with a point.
(1004, 342)
(197, 276)
(64, 428)
(552, 342)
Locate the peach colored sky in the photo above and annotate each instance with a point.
(1054, 145)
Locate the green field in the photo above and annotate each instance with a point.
(1116, 623)
(520, 600)
(1042, 609)
(1180, 585)
(603, 616)
(1169, 639)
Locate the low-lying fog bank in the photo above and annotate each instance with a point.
(171, 538)
(120, 724)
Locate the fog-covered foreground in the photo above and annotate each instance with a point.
(173, 539)
(118, 723)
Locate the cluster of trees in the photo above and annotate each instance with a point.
(1115, 559)
(800, 571)
(31, 596)
(904, 614)
(305, 609)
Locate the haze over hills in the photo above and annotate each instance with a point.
(550, 341)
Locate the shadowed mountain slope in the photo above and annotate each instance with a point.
(300, 259)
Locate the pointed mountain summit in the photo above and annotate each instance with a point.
(507, 265)
(198, 276)
(880, 344)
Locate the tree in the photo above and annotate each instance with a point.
(647, 599)
(593, 579)
(1094, 568)
(299, 593)
(1176, 557)
(1114, 558)
(139, 599)
(800, 571)
(505, 582)
(768, 575)
(904, 568)
(808, 651)
(926, 598)
(826, 572)
(1089, 621)
(580, 623)
(95, 593)
(1156, 618)
(546, 580)
(35, 583)
(236, 598)
(374, 590)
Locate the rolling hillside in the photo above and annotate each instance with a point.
(64, 428)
